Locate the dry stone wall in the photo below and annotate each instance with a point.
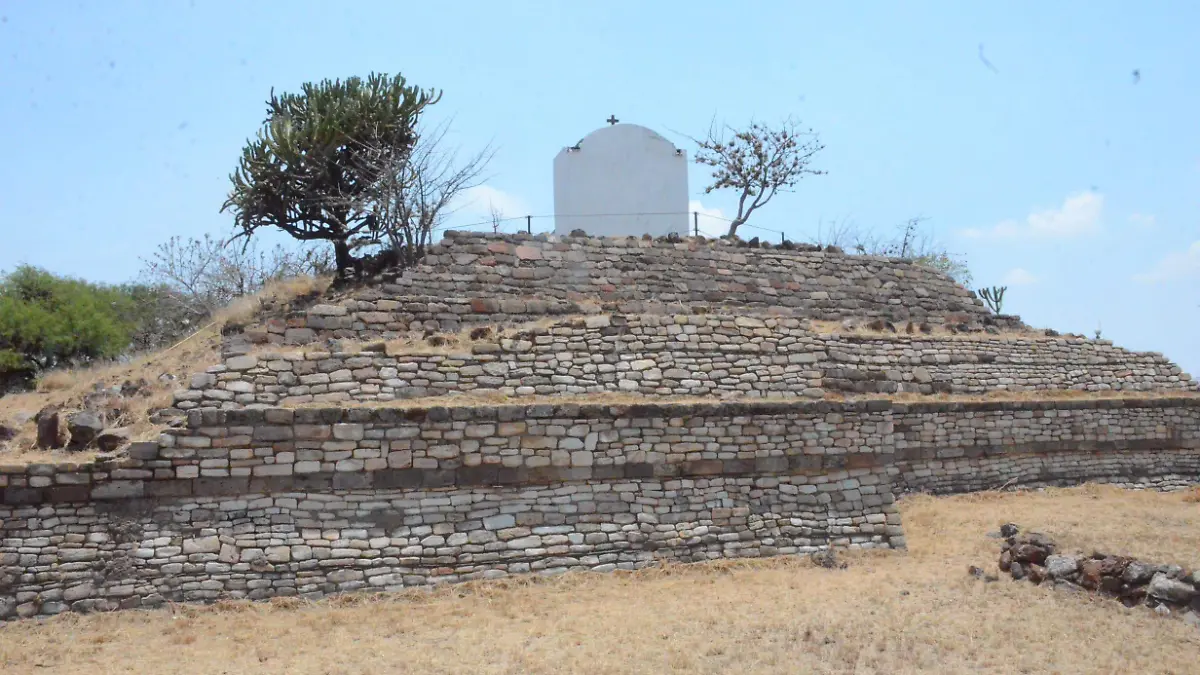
(309, 501)
(470, 278)
(949, 448)
(100, 556)
(686, 355)
(257, 503)
(266, 450)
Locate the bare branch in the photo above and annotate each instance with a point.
(418, 191)
(203, 275)
(497, 217)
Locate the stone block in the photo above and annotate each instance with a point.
(348, 432)
(244, 362)
(210, 544)
(118, 489)
(327, 310)
(499, 522)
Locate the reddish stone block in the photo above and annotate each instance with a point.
(528, 253)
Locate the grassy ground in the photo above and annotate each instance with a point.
(888, 613)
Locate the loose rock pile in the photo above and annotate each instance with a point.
(1168, 589)
(99, 419)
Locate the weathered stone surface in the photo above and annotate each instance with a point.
(654, 274)
(245, 362)
(210, 544)
(84, 427)
(1163, 587)
(1029, 553)
(49, 432)
(1061, 566)
(113, 438)
(1138, 573)
(79, 592)
(327, 310)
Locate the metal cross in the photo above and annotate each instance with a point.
(612, 119)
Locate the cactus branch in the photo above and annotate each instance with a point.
(993, 297)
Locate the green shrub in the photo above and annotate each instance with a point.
(48, 321)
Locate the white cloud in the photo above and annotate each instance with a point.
(713, 222)
(1142, 221)
(1019, 277)
(1078, 215)
(477, 203)
(472, 210)
(1178, 265)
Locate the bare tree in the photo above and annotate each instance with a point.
(757, 162)
(419, 190)
(203, 275)
(497, 217)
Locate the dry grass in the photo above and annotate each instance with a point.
(486, 397)
(69, 388)
(888, 613)
(490, 397)
(417, 343)
(275, 294)
(460, 342)
(939, 331)
(1040, 395)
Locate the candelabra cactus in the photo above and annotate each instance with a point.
(993, 297)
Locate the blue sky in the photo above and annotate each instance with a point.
(1055, 173)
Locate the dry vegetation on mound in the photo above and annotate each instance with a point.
(888, 613)
(153, 376)
(158, 374)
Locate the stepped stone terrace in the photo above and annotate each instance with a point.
(540, 404)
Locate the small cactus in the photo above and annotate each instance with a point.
(993, 297)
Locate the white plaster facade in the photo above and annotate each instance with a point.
(621, 169)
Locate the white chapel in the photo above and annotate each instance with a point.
(621, 180)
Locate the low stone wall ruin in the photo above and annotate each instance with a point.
(1168, 589)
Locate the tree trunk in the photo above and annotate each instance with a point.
(733, 228)
(342, 257)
